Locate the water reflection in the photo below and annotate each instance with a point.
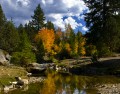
(64, 84)
(56, 83)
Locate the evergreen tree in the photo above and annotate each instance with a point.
(103, 31)
(25, 53)
(10, 39)
(40, 51)
(2, 19)
(38, 18)
(50, 25)
(29, 29)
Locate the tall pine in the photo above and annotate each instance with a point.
(38, 18)
(103, 23)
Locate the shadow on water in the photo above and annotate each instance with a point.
(106, 67)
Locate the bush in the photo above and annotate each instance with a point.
(23, 58)
(91, 50)
(104, 52)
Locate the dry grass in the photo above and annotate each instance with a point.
(8, 74)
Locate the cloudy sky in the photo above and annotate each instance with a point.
(60, 12)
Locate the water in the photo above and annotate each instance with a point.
(56, 83)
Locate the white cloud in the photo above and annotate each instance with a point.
(23, 2)
(54, 10)
(43, 2)
(84, 28)
(64, 8)
(72, 22)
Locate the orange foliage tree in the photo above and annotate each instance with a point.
(47, 36)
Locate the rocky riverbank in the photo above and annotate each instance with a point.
(108, 89)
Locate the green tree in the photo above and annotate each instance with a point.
(71, 37)
(10, 38)
(29, 29)
(50, 25)
(25, 53)
(40, 52)
(102, 21)
(2, 19)
(38, 18)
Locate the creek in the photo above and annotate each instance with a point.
(61, 83)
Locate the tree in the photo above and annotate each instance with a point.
(38, 18)
(58, 36)
(98, 20)
(70, 38)
(49, 25)
(40, 52)
(25, 54)
(2, 19)
(81, 43)
(47, 36)
(10, 38)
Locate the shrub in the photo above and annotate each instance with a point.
(104, 52)
(91, 50)
(23, 58)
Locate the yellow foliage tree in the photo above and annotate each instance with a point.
(59, 34)
(67, 47)
(47, 36)
(76, 47)
(81, 44)
(81, 48)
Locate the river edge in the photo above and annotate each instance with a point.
(104, 67)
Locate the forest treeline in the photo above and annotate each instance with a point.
(38, 41)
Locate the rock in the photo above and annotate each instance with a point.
(4, 58)
(21, 81)
(35, 68)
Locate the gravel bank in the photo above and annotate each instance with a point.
(109, 89)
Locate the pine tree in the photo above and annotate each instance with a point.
(50, 25)
(102, 30)
(38, 18)
(2, 25)
(10, 37)
(2, 18)
(25, 54)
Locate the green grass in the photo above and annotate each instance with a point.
(8, 74)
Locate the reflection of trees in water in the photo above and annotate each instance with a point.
(49, 86)
(56, 83)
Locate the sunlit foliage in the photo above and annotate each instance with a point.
(47, 36)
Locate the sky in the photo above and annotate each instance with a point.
(60, 12)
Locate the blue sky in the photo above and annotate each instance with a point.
(60, 12)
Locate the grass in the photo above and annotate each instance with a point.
(8, 73)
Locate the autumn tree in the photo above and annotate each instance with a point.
(58, 36)
(47, 36)
(81, 43)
